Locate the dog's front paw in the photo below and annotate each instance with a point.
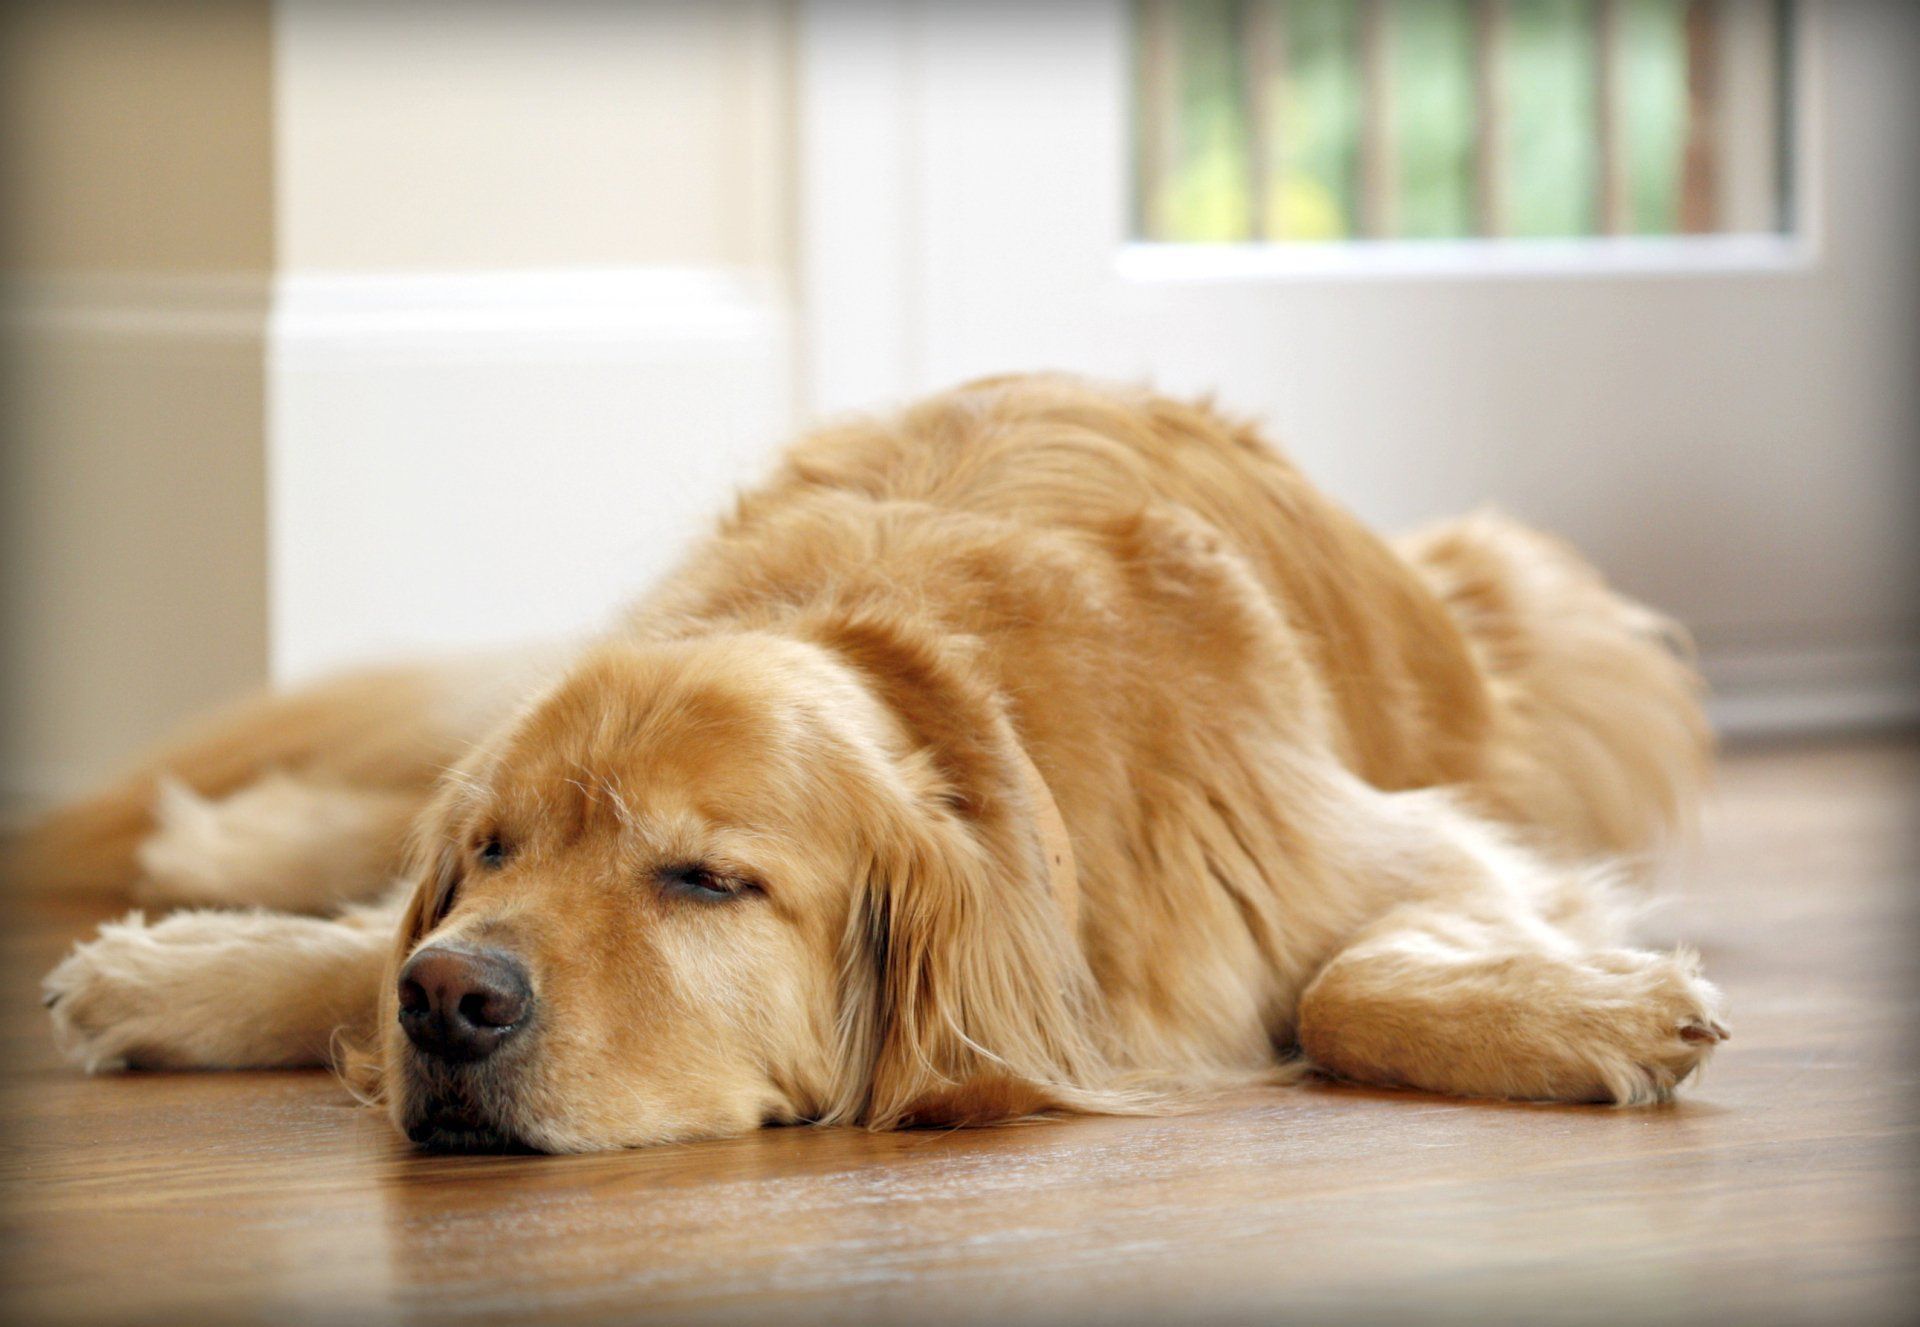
(215, 990)
(1666, 1021)
(100, 997)
(180, 993)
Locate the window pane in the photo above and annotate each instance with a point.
(1204, 192)
(1548, 68)
(1319, 120)
(1653, 109)
(1434, 118)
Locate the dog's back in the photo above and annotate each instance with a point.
(1478, 654)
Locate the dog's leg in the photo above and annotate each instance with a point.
(1599, 744)
(220, 990)
(281, 842)
(375, 736)
(1495, 975)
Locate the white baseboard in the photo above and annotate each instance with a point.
(465, 459)
(1806, 688)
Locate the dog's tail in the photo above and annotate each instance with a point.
(1599, 736)
(385, 729)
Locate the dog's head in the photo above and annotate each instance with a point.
(701, 886)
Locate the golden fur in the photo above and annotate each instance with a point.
(1324, 796)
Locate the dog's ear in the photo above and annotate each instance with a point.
(433, 864)
(965, 995)
(434, 852)
(969, 997)
(435, 870)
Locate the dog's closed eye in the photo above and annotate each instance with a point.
(704, 883)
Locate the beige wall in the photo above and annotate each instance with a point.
(136, 168)
(136, 137)
(425, 136)
(132, 554)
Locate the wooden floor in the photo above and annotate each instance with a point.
(1781, 1189)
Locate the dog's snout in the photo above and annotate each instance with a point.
(462, 1004)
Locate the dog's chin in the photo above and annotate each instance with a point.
(446, 1126)
(450, 1112)
(432, 1137)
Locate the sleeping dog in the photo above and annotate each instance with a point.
(1046, 747)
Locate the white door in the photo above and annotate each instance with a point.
(1723, 421)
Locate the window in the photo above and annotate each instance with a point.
(1290, 121)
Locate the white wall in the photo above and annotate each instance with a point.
(531, 322)
(426, 136)
(471, 459)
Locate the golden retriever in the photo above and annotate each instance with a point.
(1046, 747)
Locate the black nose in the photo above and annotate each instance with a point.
(463, 1004)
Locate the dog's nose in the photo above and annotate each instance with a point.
(462, 1004)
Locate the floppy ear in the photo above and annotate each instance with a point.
(975, 1000)
(435, 870)
(433, 866)
(965, 996)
